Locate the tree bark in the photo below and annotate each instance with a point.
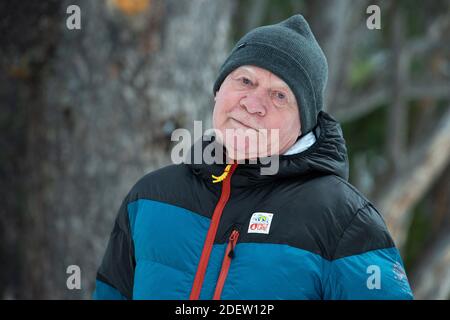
(107, 103)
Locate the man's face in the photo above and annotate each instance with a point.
(250, 100)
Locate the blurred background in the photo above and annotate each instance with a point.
(85, 113)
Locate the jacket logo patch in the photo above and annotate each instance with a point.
(260, 222)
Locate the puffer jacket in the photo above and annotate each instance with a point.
(199, 231)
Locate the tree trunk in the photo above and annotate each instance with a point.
(106, 105)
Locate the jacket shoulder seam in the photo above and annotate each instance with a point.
(346, 228)
(356, 192)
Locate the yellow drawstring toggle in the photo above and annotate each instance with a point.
(223, 175)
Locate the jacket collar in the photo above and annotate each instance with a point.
(302, 144)
(327, 155)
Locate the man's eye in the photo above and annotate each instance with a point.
(280, 95)
(246, 81)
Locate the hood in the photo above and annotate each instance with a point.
(328, 155)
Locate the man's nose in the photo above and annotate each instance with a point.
(255, 102)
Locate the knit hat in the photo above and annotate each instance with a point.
(289, 50)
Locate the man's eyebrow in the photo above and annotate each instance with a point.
(246, 69)
(280, 85)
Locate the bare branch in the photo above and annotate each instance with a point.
(360, 105)
(434, 90)
(349, 106)
(432, 39)
(403, 192)
(363, 104)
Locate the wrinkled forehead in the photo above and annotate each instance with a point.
(258, 72)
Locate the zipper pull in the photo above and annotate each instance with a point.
(223, 175)
(229, 254)
(232, 240)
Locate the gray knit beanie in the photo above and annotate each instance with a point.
(289, 50)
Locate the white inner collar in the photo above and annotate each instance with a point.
(302, 144)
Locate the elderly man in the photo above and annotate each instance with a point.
(227, 231)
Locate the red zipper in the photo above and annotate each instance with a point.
(229, 254)
(207, 246)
